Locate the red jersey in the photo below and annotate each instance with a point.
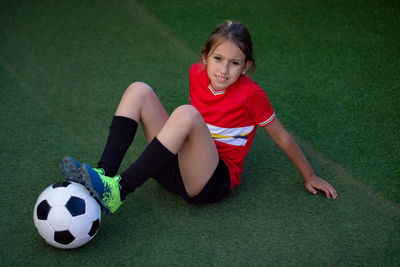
(232, 115)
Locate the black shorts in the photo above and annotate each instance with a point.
(217, 187)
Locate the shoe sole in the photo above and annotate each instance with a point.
(70, 171)
(87, 182)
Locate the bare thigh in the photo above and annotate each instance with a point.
(186, 134)
(140, 103)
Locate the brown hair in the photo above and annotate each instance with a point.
(234, 31)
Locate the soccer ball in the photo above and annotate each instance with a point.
(66, 215)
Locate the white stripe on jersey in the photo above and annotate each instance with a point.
(232, 136)
(267, 121)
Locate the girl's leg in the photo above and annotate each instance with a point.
(185, 134)
(120, 137)
(141, 104)
(138, 104)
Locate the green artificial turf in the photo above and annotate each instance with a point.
(331, 72)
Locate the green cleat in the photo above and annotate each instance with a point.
(105, 189)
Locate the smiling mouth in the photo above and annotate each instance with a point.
(221, 79)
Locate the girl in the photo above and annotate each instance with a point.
(198, 152)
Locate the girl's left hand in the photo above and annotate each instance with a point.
(315, 183)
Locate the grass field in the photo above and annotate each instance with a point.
(330, 68)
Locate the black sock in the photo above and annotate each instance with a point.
(122, 132)
(155, 157)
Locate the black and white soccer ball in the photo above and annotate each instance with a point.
(66, 215)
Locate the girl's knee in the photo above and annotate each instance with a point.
(137, 89)
(186, 115)
(187, 111)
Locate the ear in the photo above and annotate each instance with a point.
(247, 65)
(204, 59)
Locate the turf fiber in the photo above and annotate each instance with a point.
(330, 68)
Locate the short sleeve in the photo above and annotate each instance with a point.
(259, 106)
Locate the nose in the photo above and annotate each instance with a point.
(225, 68)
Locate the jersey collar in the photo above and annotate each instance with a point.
(216, 92)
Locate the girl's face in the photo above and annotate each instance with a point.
(225, 64)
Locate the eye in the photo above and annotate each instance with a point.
(235, 63)
(217, 58)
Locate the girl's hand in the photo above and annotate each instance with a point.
(315, 183)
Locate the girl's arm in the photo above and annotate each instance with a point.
(285, 141)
